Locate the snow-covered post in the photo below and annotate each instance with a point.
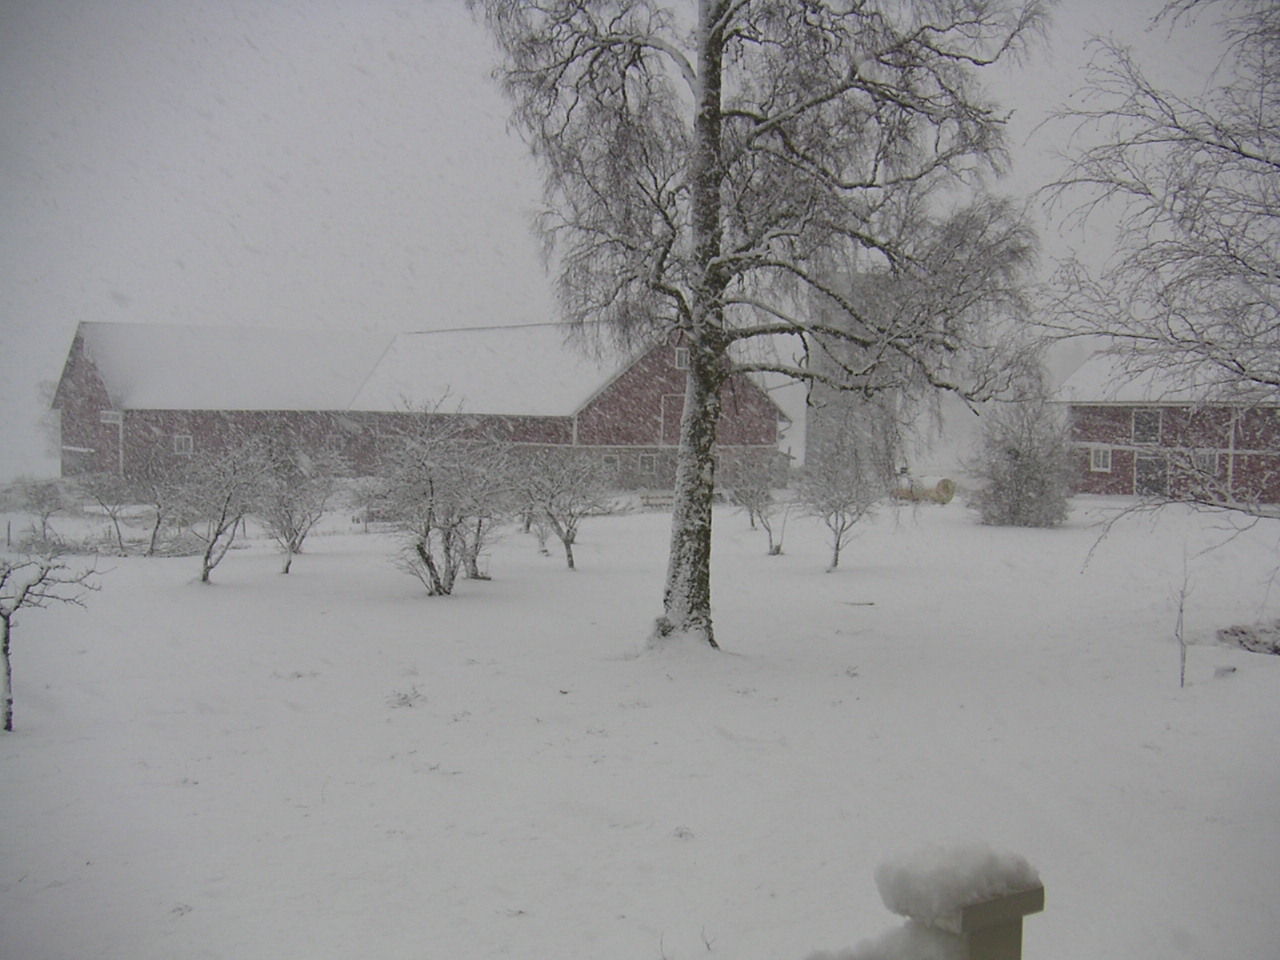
(993, 927)
(961, 903)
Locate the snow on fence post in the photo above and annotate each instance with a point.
(961, 903)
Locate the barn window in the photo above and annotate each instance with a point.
(648, 462)
(1151, 477)
(1205, 462)
(112, 417)
(1146, 425)
(682, 358)
(1100, 459)
(183, 445)
(610, 462)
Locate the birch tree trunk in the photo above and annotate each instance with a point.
(687, 597)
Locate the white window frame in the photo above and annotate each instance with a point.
(112, 418)
(648, 463)
(183, 444)
(682, 358)
(1159, 418)
(1100, 459)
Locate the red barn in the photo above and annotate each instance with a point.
(1147, 435)
(132, 394)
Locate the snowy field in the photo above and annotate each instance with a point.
(333, 765)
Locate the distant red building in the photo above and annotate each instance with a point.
(133, 395)
(1148, 436)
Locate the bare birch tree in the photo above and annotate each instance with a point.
(1194, 288)
(30, 583)
(706, 180)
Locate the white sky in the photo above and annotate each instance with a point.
(333, 164)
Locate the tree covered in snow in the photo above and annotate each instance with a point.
(1024, 466)
(26, 583)
(1193, 289)
(218, 489)
(561, 487)
(708, 175)
(297, 487)
(446, 492)
(849, 469)
(42, 499)
(112, 494)
(158, 486)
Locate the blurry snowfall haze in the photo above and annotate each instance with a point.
(324, 164)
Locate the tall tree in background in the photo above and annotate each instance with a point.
(1194, 289)
(709, 173)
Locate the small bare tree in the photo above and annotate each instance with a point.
(445, 489)
(158, 484)
(297, 487)
(849, 469)
(113, 494)
(219, 489)
(30, 583)
(753, 492)
(42, 499)
(562, 487)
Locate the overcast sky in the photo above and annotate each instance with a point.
(317, 163)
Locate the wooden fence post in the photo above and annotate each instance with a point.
(993, 928)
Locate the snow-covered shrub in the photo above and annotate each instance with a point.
(1022, 469)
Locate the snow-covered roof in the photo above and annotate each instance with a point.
(1110, 377)
(526, 370)
(515, 371)
(175, 367)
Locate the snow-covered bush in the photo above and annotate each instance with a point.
(1023, 468)
(446, 490)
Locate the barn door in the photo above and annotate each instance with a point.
(1151, 477)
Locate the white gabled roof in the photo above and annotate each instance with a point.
(514, 371)
(1111, 377)
(172, 367)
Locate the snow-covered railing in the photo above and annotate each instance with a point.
(961, 903)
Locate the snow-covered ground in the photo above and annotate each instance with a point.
(333, 765)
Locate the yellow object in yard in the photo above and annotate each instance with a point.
(930, 489)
